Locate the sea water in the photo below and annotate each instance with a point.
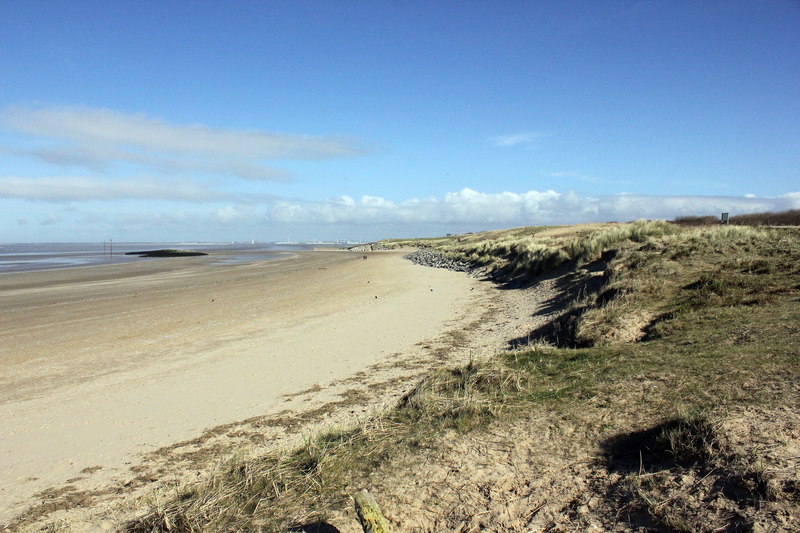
(44, 256)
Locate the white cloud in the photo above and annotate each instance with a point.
(485, 210)
(108, 127)
(102, 159)
(98, 139)
(205, 214)
(528, 140)
(229, 213)
(71, 188)
(466, 206)
(345, 200)
(376, 201)
(629, 206)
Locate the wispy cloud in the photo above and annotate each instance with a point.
(529, 140)
(50, 220)
(71, 188)
(102, 159)
(99, 138)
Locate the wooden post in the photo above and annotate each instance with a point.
(369, 514)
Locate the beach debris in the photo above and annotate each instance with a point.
(369, 513)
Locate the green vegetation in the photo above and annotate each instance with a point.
(682, 325)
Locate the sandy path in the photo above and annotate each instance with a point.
(102, 364)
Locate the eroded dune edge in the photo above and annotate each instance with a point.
(644, 377)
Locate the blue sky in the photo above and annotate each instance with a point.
(219, 121)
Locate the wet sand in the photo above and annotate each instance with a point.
(103, 364)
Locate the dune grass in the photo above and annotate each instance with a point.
(707, 317)
(530, 251)
(790, 217)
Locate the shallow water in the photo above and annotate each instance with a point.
(22, 257)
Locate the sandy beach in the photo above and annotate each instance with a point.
(101, 365)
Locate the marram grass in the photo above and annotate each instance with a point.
(717, 318)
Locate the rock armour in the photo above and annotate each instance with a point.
(434, 259)
(371, 247)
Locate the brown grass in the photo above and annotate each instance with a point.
(688, 325)
(783, 218)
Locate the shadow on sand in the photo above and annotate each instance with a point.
(571, 287)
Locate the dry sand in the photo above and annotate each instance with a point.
(101, 365)
(119, 381)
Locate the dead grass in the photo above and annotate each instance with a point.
(783, 218)
(687, 326)
(686, 478)
(524, 253)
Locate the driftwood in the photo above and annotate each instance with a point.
(369, 514)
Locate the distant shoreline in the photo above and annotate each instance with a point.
(35, 257)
